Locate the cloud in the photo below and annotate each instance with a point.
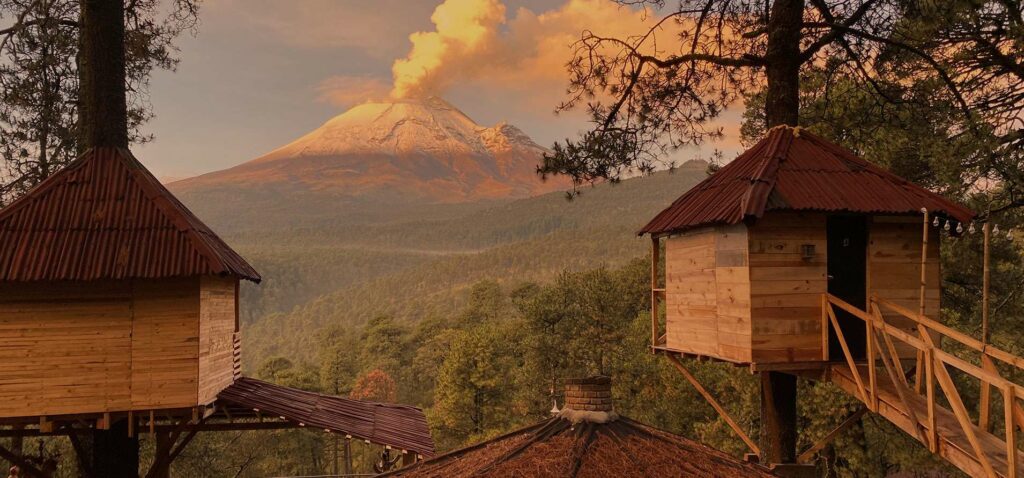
(474, 43)
(346, 91)
(465, 32)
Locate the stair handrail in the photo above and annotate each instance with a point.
(935, 368)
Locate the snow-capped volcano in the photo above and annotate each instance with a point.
(421, 148)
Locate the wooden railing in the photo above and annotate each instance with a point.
(925, 336)
(236, 355)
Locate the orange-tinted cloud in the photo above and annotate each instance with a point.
(473, 41)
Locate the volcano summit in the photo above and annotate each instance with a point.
(420, 149)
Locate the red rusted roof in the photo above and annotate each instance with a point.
(558, 448)
(400, 426)
(792, 169)
(105, 216)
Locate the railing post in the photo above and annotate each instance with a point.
(1011, 430)
(929, 376)
(872, 380)
(655, 259)
(985, 395)
(824, 327)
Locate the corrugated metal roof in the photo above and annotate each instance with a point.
(105, 216)
(558, 448)
(400, 426)
(792, 169)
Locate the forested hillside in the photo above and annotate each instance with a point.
(418, 261)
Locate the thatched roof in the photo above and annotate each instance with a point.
(559, 448)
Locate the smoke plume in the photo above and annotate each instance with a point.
(465, 31)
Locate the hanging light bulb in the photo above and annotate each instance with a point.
(960, 228)
(936, 221)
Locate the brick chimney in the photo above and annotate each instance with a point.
(591, 394)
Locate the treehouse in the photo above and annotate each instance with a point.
(113, 296)
(750, 252)
(118, 306)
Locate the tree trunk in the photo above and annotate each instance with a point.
(103, 106)
(114, 453)
(103, 122)
(782, 107)
(782, 101)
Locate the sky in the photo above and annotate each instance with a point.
(260, 73)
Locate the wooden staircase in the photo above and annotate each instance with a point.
(920, 396)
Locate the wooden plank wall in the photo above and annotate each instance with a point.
(65, 348)
(164, 351)
(708, 294)
(68, 347)
(785, 290)
(894, 268)
(217, 323)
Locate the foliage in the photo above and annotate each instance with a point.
(375, 386)
(39, 79)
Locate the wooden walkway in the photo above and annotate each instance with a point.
(924, 402)
(953, 444)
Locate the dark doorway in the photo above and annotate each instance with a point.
(847, 280)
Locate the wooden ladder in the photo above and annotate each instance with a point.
(927, 405)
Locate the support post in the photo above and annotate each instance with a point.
(778, 417)
(348, 455)
(1011, 431)
(985, 397)
(115, 454)
(655, 260)
(918, 383)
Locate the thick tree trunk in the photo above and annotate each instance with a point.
(103, 122)
(778, 417)
(782, 102)
(114, 453)
(782, 107)
(103, 106)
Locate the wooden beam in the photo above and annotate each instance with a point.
(933, 429)
(1009, 401)
(232, 427)
(825, 440)
(872, 373)
(902, 387)
(924, 284)
(957, 405)
(824, 327)
(985, 396)
(714, 404)
(849, 357)
(655, 259)
(84, 456)
(26, 467)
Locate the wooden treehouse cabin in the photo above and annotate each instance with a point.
(798, 257)
(118, 305)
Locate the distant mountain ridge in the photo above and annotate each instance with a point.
(420, 149)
